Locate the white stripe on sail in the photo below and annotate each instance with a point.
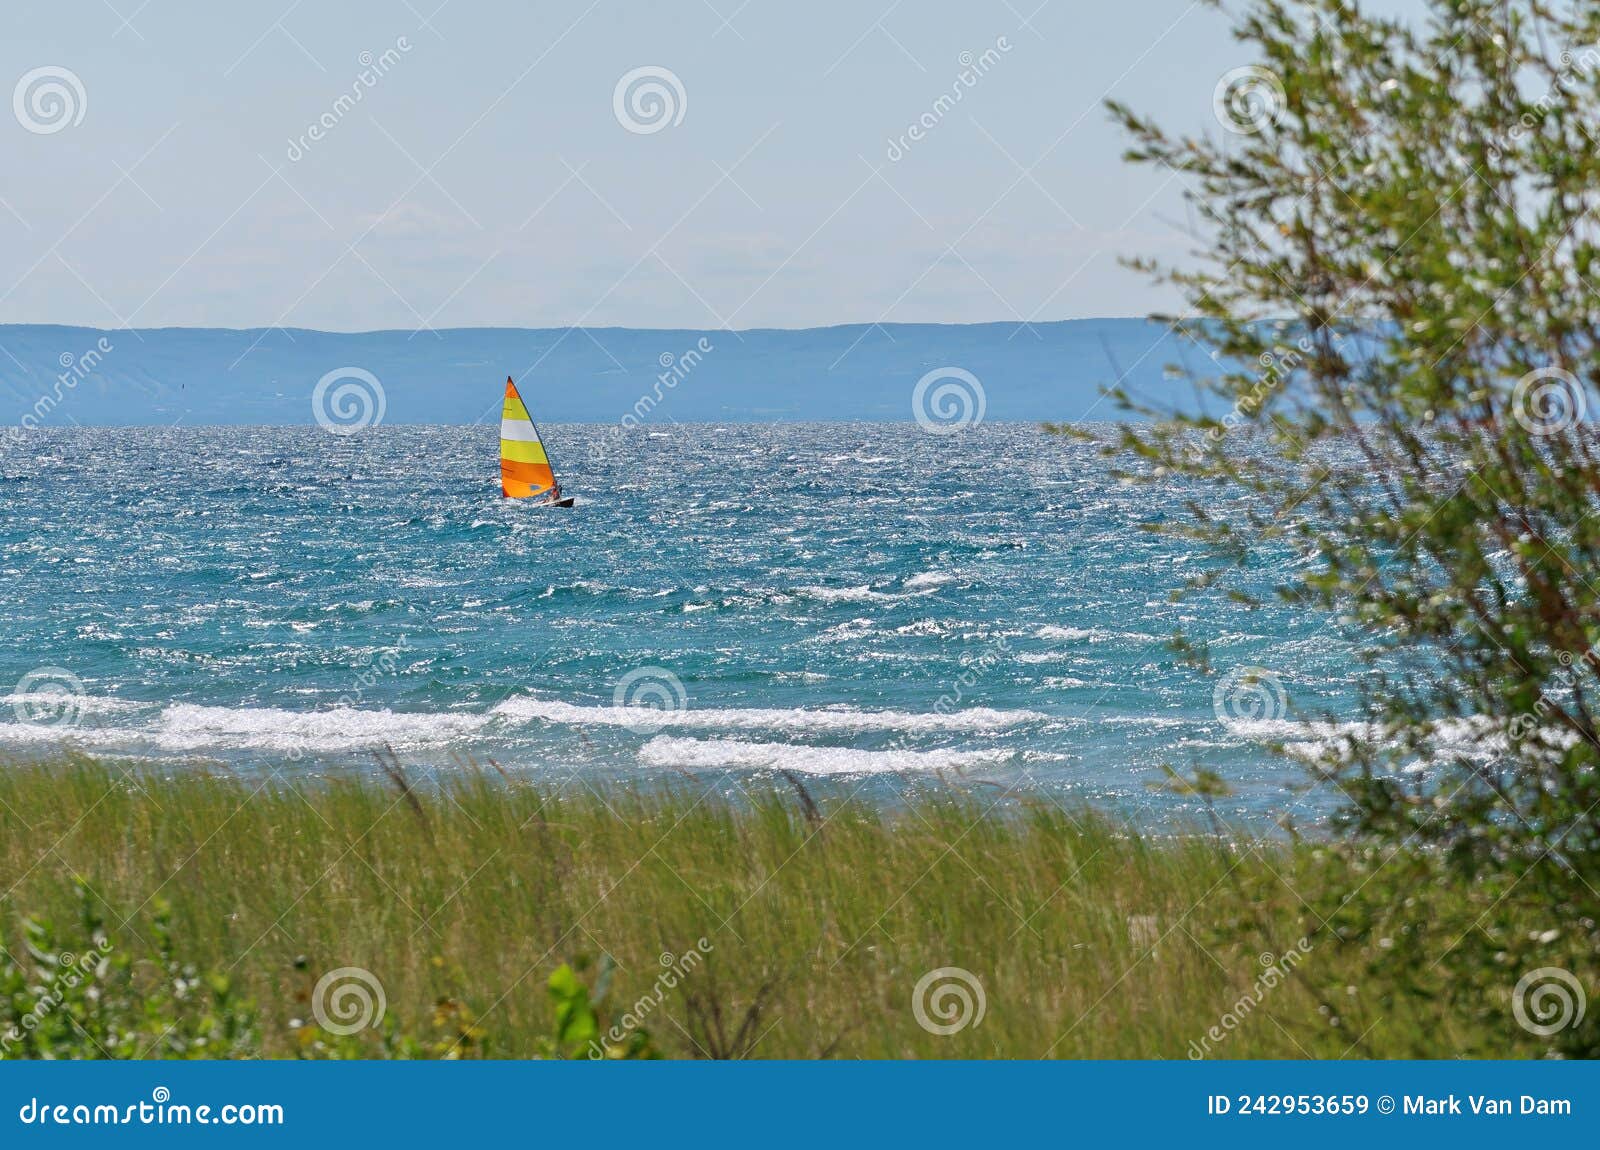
(518, 429)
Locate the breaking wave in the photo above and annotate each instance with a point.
(670, 751)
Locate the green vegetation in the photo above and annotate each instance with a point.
(1393, 285)
(195, 916)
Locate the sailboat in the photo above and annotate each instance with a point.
(525, 471)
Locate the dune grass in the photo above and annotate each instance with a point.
(221, 902)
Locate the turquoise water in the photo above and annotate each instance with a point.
(866, 603)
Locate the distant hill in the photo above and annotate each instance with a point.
(864, 372)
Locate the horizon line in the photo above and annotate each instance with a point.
(653, 429)
(1018, 323)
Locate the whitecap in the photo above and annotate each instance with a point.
(1054, 632)
(1092, 634)
(190, 727)
(524, 708)
(861, 594)
(667, 751)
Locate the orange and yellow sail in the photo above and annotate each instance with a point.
(524, 466)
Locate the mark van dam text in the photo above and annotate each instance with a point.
(1483, 1104)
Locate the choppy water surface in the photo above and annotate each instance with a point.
(866, 602)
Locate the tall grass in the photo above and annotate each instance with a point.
(1087, 941)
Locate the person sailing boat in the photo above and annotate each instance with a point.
(525, 470)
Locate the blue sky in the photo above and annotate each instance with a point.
(485, 177)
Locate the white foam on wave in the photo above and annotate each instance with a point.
(861, 594)
(189, 727)
(194, 728)
(914, 587)
(670, 751)
(1068, 633)
(844, 632)
(1092, 634)
(766, 718)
